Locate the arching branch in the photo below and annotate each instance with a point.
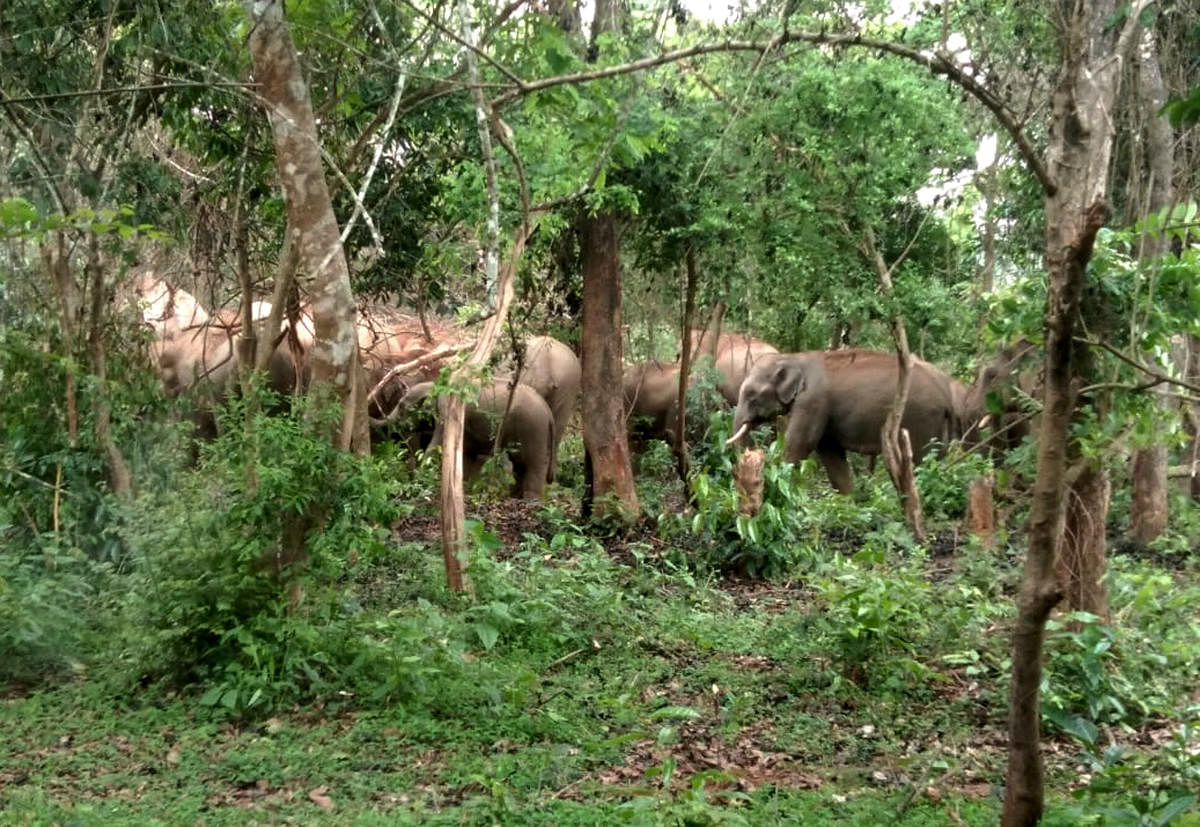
(938, 63)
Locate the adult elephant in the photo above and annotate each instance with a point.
(526, 435)
(734, 356)
(552, 369)
(651, 401)
(201, 362)
(836, 402)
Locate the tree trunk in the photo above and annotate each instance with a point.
(1191, 413)
(685, 365)
(333, 358)
(612, 489)
(1081, 563)
(981, 508)
(58, 268)
(1080, 147)
(894, 441)
(118, 469)
(1148, 511)
(985, 280)
(452, 411)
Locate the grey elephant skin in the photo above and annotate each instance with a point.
(1011, 375)
(734, 355)
(837, 401)
(652, 388)
(527, 433)
(201, 363)
(552, 369)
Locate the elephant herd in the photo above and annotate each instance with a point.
(833, 402)
(836, 402)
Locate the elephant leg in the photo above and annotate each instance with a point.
(836, 466)
(472, 464)
(529, 479)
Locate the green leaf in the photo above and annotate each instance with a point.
(675, 713)
(1173, 808)
(487, 634)
(1081, 728)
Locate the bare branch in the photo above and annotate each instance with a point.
(123, 90)
(1158, 376)
(466, 44)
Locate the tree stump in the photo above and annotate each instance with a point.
(748, 476)
(981, 509)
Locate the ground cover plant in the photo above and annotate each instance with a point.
(629, 679)
(238, 584)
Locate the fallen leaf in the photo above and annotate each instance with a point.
(318, 796)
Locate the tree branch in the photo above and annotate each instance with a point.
(1158, 376)
(122, 90)
(937, 62)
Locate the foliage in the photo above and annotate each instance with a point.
(878, 619)
(943, 481)
(769, 543)
(274, 513)
(1126, 673)
(51, 606)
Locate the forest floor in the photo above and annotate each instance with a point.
(675, 699)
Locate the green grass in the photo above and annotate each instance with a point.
(585, 684)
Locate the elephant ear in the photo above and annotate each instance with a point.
(790, 381)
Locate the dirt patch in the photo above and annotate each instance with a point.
(766, 596)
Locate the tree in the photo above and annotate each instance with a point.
(1081, 135)
(612, 490)
(1148, 511)
(333, 359)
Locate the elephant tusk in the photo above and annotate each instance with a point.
(741, 432)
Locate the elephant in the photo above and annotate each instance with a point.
(734, 356)
(652, 388)
(527, 433)
(552, 369)
(652, 401)
(1009, 377)
(202, 362)
(165, 309)
(836, 401)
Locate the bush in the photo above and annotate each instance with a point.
(767, 544)
(943, 481)
(879, 619)
(239, 565)
(48, 596)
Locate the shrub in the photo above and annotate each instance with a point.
(768, 543)
(48, 596)
(879, 620)
(239, 565)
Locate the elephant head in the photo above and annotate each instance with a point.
(772, 389)
(526, 426)
(993, 402)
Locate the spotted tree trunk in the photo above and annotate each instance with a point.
(1148, 511)
(333, 358)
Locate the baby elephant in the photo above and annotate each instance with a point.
(527, 433)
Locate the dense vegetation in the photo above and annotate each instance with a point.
(259, 626)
